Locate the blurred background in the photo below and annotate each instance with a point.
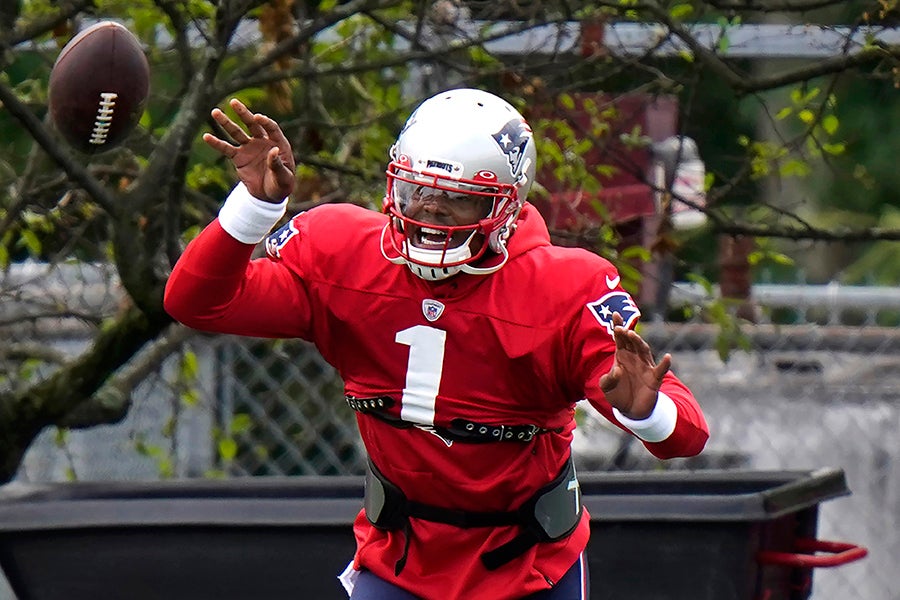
(735, 162)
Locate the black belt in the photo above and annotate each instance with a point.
(460, 430)
(549, 515)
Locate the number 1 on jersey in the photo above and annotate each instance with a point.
(423, 372)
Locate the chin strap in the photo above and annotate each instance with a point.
(397, 260)
(472, 270)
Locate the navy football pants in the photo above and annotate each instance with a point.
(573, 586)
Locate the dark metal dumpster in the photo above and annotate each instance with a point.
(701, 535)
(710, 535)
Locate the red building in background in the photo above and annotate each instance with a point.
(647, 170)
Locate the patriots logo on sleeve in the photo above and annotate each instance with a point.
(615, 302)
(277, 240)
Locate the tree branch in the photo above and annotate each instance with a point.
(25, 412)
(111, 403)
(744, 83)
(65, 10)
(57, 151)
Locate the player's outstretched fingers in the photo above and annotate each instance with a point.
(620, 333)
(256, 128)
(640, 347)
(662, 367)
(234, 130)
(219, 145)
(249, 118)
(275, 135)
(271, 129)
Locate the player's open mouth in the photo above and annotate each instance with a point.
(426, 237)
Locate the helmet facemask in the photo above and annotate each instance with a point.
(464, 146)
(445, 249)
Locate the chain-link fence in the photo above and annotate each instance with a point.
(812, 393)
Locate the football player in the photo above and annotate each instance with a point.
(464, 339)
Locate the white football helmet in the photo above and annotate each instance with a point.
(462, 141)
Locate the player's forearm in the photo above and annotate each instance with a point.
(210, 273)
(689, 436)
(676, 427)
(206, 277)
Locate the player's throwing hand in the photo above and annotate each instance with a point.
(263, 158)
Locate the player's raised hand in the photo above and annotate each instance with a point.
(633, 382)
(261, 153)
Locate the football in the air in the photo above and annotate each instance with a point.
(98, 87)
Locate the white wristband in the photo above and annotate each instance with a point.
(658, 426)
(248, 219)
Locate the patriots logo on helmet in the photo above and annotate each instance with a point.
(277, 240)
(615, 302)
(512, 139)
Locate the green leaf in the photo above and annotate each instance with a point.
(190, 397)
(758, 257)
(31, 242)
(724, 44)
(702, 281)
(327, 5)
(189, 365)
(227, 449)
(200, 176)
(241, 423)
(168, 428)
(795, 168)
(680, 11)
(830, 124)
(799, 98)
(166, 467)
(191, 232)
(61, 437)
(637, 252)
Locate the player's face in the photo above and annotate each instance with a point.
(441, 207)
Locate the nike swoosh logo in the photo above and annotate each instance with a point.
(612, 282)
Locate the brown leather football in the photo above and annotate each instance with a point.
(98, 87)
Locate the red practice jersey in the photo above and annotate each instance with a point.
(520, 346)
